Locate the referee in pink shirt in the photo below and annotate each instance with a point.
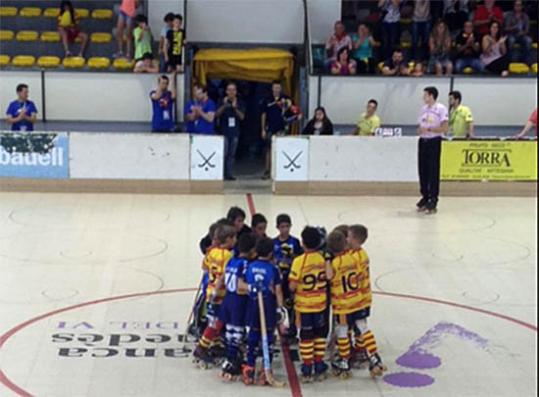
(433, 124)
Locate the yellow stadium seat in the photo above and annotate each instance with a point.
(534, 68)
(6, 35)
(101, 38)
(4, 60)
(102, 13)
(82, 13)
(27, 35)
(51, 12)
(74, 62)
(518, 68)
(406, 21)
(99, 63)
(406, 44)
(48, 62)
(534, 45)
(24, 60)
(8, 11)
(380, 66)
(468, 70)
(54, 12)
(50, 37)
(123, 64)
(30, 12)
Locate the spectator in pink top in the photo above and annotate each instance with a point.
(433, 123)
(124, 27)
(343, 65)
(339, 39)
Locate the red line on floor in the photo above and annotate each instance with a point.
(3, 338)
(454, 304)
(291, 372)
(251, 204)
(17, 389)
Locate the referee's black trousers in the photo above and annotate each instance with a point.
(429, 167)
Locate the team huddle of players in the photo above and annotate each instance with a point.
(301, 284)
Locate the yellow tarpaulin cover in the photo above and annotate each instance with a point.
(261, 64)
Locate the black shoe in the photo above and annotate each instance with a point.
(266, 176)
(229, 178)
(422, 204)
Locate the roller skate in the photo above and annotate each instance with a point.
(306, 373)
(320, 371)
(217, 354)
(202, 359)
(229, 371)
(430, 208)
(359, 359)
(376, 367)
(341, 368)
(248, 374)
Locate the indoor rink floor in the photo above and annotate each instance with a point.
(96, 289)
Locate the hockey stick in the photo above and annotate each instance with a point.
(191, 315)
(265, 345)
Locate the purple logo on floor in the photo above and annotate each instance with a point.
(418, 356)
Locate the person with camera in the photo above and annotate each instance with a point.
(230, 114)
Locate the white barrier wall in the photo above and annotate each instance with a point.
(103, 96)
(129, 156)
(363, 159)
(399, 99)
(496, 101)
(345, 159)
(245, 21)
(8, 84)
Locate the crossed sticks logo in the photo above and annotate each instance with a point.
(206, 161)
(292, 161)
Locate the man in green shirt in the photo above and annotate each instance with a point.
(369, 121)
(460, 117)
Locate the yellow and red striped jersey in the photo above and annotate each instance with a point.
(346, 296)
(215, 262)
(309, 272)
(365, 278)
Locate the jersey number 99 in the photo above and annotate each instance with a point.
(312, 282)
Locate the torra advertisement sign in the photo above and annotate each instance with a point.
(489, 160)
(34, 155)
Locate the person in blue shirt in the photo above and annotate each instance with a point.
(162, 104)
(285, 248)
(262, 275)
(21, 113)
(200, 112)
(234, 305)
(229, 115)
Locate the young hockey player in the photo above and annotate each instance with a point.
(309, 283)
(262, 275)
(346, 297)
(365, 349)
(286, 248)
(259, 224)
(214, 263)
(234, 305)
